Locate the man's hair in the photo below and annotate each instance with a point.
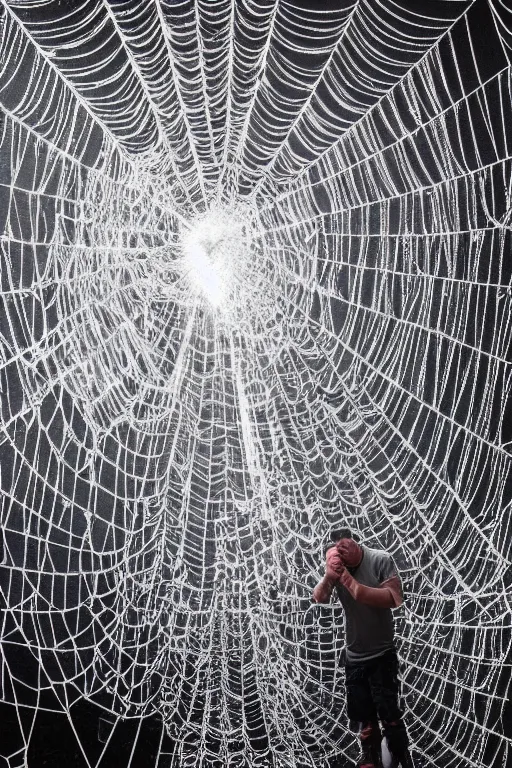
(343, 533)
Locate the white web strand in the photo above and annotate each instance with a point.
(170, 469)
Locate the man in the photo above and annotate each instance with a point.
(368, 587)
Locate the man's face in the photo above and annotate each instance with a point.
(350, 552)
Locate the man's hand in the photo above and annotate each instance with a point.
(350, 552)
(334, 565)
(333, 569)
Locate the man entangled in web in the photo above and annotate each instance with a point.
(369, 587)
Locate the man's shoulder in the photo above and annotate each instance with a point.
(379, 563)
(377, 555)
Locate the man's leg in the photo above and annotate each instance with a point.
(370, 738)
(385, 689)
(361, 709)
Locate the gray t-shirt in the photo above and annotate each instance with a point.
(369, 631)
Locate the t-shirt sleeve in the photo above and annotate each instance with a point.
(387, 568)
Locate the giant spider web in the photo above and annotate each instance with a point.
(170, 466)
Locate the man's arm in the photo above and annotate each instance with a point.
(386, 595)
(333, 568)
(323, 591)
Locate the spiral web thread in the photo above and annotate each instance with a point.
(170, 471)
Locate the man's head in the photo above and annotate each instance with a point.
(348, 547)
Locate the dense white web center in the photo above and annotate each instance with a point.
(212, 252)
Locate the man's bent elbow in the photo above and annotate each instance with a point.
(394, 588)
